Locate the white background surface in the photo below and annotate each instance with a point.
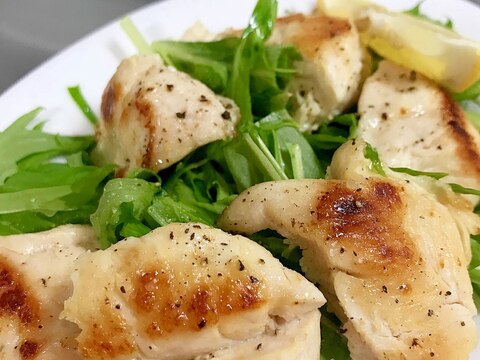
(91, 61)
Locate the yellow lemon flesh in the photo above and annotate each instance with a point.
(440, 54)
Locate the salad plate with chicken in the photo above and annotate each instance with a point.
(290, 181)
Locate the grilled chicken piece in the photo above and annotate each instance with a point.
(35, 271)
(385, 253)
(413, 123)
(188, 291)
(349, 163)
(153, 116)
(331, 72)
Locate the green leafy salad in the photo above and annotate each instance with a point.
(48, 180)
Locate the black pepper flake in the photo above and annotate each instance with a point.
(181, 115)
(241, 267)
(462, 323)
(192, 236)
(384, 289)
(448, 293)
(415, 342)
(202, 323)
(432, 354)
(203, 98)
(413, 75)
(187, 230)
(122, 289)
(261, 261)
(384, 116)
(253, 279)
(342, 250)
(169, 87)
(44, 282)
(196, 226)
(226, 115)
(430, 312)
(171, 235)
(223, 244)
(342, 331)
(117, 306)
(259, 346)
(354, 253)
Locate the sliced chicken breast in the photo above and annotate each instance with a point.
(331, 72)
(296, 339)
(413, 123)
(349, 163)
(35, 280)
(153, 116)
(188, 291)
(387, 255)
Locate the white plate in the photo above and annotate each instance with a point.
(91, 61)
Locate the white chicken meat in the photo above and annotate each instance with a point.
(387, 255)
(349, 163)
(415, 124)
(332, 69)
(188, 291)
(35, 280)
(154, 115)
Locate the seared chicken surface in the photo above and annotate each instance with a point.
(188, 291)
(330, 74)
(413, 123)
(153, 116)
(35, 271)
(349, 163)
(387, 255)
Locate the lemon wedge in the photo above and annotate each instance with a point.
(441, 54)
